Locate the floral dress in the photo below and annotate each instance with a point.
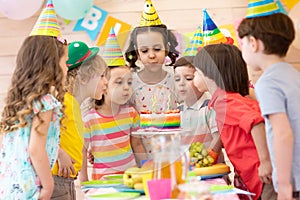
(18, 179)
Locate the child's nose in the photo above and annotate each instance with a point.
(151, 54)
(181, 82)
(126, 86)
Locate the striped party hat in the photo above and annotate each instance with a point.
(149, 15)
(195, 43)
(258, 8)
(211, 33)
(47, 22)
(112, 53)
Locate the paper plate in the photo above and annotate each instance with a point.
(102, 183)
(124, 188)
(113, 177)
(210, 176)
(115, 196)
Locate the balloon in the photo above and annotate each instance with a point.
(294, 14)
(72, 9)
(19, 9)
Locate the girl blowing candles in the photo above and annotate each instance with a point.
(153, 86)
(109, 125)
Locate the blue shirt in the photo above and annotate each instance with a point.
(278, 91)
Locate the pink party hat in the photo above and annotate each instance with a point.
(47, 22)
(195, 43)
(149, 15)
(112, 53)
(211, 33)
(258, 8)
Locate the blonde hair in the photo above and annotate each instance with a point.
(37, 71)
(86, 71)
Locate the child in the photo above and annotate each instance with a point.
(30, 120)
(153, 87)
(194, 111)
(109, 127)
(150, 45)
(238, 118)
(85, 79)
(265, 42)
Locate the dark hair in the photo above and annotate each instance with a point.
(169, 38)
(276, 31)
(224, 64)
(185, 61)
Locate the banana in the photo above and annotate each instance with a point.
(133, 177)
(137, 178)
(138, 186)
(219, 168)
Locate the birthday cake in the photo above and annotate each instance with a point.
(166, 120)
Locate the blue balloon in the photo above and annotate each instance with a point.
(72, 9)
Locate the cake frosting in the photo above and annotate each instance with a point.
(166, 120)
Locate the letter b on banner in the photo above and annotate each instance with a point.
(92, 22)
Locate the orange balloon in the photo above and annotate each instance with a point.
(294, 14)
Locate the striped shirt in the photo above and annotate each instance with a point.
(108, 137)
(200, 119)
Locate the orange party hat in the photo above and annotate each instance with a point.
(112, 53)
(195, 43)
(47, 23)
(258, 8)
(149, 15)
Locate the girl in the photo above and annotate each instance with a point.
(238, 118)
(108, 128)
(150, 45)
(85, 79)
(153, 87)
(30, 120)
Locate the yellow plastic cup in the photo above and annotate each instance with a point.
(146, 177)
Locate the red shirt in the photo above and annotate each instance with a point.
(235, 116)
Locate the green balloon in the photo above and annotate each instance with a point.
(72, 9)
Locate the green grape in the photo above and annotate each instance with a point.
(205, 161)
(204, 152)
(210, 159)
(200, 157)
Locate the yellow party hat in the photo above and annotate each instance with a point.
(258, 8)
(112, 53)
(47, 22)
(149, 15)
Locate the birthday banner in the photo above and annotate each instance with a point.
(97, 23)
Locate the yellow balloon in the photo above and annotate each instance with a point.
(294, 14)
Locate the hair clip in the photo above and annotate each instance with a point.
(61, 39)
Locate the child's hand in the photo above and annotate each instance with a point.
(90, 158)
(265, 172)
(214, 155)
(65, 164)
(46, 191)
(45, 194)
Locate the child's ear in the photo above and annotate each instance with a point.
(167, 48)
(254, 43)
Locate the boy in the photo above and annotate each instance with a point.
(195, 113)
(265, 42)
